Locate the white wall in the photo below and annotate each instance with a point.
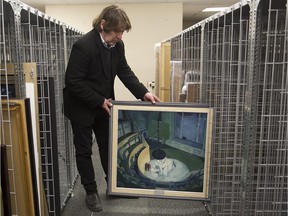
(151, 23)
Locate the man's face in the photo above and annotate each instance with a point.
(112, 37)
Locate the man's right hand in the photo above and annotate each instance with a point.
(106, 105)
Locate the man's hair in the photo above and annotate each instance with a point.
(115, 18)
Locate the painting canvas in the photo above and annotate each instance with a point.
(160, 150)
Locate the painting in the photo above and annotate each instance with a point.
(160, 150)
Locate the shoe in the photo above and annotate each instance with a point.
(93, 202)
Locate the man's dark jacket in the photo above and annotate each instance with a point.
(88, 79)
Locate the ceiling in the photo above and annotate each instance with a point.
(192, 9)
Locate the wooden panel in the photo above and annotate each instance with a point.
(157, 51)
(177, 77)
(193, 92)
(20, 179)
(30, 72)
(9, 69)
(164, 71)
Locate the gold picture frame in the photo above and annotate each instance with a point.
(160, 150)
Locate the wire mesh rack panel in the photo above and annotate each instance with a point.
(8, 195)
(224, 78)
(44, 44)
(176, 48)
(11, 86)
(267, 169)
(241, 55)
(177, 73)
(192, 59)
(40, 48)
(71, 35)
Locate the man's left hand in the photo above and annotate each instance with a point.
(151, 97)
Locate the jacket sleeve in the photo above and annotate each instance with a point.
(76, 77)
(127, 76)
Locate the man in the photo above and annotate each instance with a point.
(95, 60)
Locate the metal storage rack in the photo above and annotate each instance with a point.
(5, 122)
(241, 55)
(30, 36)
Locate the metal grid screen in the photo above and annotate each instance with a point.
(226, 44)
(176, 69)
(5, 120)
(33, 37)
(269, 168)
(241, 55)
(191, 64)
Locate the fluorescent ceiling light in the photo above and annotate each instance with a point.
(214, 9)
